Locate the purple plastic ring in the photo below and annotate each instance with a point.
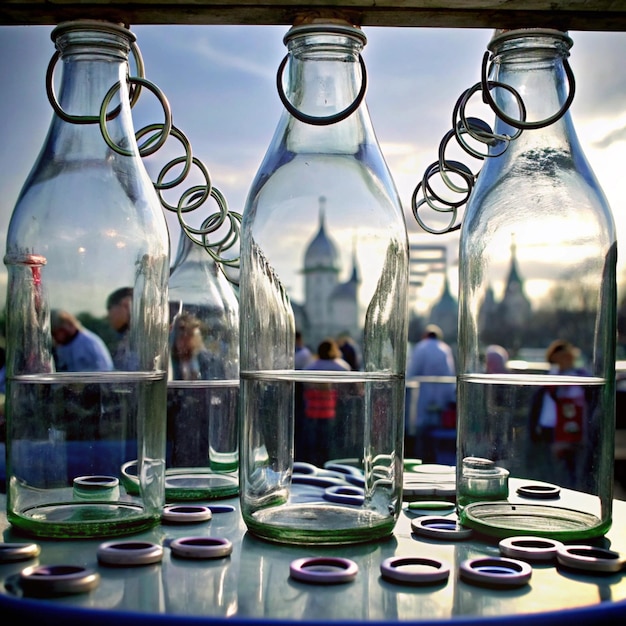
(414, 569)
(530, 548)
(129, 553)
(495, 572)
(201, 547)
(323, 570)
(186, 513)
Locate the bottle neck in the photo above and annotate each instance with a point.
(533, 66)
(93, 61)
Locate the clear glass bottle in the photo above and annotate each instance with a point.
(87, 234)
(340, 167)
(203, 382)
(538, 230)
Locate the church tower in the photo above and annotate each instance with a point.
(515, 307)
(321, 277)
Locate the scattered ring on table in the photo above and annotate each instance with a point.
(186, 513)
(496, 572)
(221, 508)
(539, 492)
(96, 483)
(590, 559)
(10, 552)
(129, 553)
(530, 548)
(301, 467)
(430, 505)
(323, 570)
(440, 528)
(201, 547)
(403, 569)
(345, 495)
(57, 580)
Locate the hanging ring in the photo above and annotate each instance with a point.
(151, 146)
(327, 120)
(448, 166)
(135, 89)
(417, 204)
(523, 124)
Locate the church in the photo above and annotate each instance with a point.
(331, 307)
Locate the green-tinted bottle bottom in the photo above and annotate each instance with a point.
(196, 483)
(83, 520)
(502, 519)
(319, 524)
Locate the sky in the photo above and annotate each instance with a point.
(220, 82)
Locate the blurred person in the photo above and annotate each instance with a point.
(349, 351)
(119, 307)
(431, 356)
(496, 359)
(190, 358)
(76, 348)
(303, 356)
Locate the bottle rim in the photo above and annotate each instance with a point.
(102, 26)
(502, 35)
(325, 28)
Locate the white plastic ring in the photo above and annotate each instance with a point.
(496, 572)
(590, 559)
(437, 527)
(186, 513)
(530, 548)
(323, 570)
(414, 570)
(201, 547)
(539, 492)
(129, 553)
(55, 580)
(10, 552)
(96, 483)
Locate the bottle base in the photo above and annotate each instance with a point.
(196, 483)
(83, 520)
(502, 519)
(319, 524)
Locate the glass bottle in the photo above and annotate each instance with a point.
(203, 382)
(87, 241)
(317, 183)
(538, 230)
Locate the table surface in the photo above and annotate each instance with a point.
(253, 584)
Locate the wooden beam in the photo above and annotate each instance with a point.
(599, 15)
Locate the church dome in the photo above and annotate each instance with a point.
(321, 252)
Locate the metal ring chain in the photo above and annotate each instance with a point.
(424, 194)
(157, 134)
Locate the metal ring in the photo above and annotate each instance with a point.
(496, 571)
(416, 205)
(590, 559)
(135, 92)
(10, 552)
(345, 494)
(448, 166)
(323, 570)
(539, 492)
(440, 528)
(445, 166)
(150, 147)
(523, 124)
(329, 119)
(428, 571)
(56, 580)
(129, 553)
(530, 548)
(186, 513)
(201, 547)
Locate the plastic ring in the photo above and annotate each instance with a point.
(496, 572)
(530, 548)
(53, 580)
(201, 547)
(300, 467)
(221, 508)
(10, 552)
(186, 513)
(431, 505)
(345, 495)
(590, 559)
(317, 481)
(129, 553)
(429, 570)
(440, 528)
(96, 483)
(539, 492)
(323, 570)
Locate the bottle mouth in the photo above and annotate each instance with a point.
(91, 26)
(502, 35)
(332, 27)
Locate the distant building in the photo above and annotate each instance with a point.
(330, 306)
(445, 313)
